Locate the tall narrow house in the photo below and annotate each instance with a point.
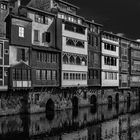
(124, 82)
(110, 60)
(4, 46)
(94, 54)
(134, 56)
(19, 34)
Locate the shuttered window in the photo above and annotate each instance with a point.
(46, 37)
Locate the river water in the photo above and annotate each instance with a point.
(104, 122)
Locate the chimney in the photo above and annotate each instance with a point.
(16, 7)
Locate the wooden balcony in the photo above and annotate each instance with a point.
(21, 84)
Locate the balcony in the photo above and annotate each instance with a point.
(21, 84)
(74, 31)
(20, 76)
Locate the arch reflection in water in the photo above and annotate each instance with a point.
(93, 100)
(62, 124)
(110, 102)
(50, 105)
(75, 102)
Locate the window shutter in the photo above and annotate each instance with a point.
(48, 37)
(19, 54)
(26, 55)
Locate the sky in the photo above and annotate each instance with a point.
(117, 16)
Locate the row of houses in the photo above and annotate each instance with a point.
(46, 45)
(60, 48)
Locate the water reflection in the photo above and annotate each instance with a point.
(105, 122)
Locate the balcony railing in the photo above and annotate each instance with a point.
(21, 84)
(76, 29)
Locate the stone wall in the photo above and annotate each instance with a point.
(13, 103)
(17, 102)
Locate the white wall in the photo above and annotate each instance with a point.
(77, 68)
(76, 83)
(109, 83)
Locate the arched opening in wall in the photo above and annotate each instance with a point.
(78, 61)
(93, 100)
(75, 102)
(109, 102)
(50, 105)
(65, 59)
(128, 100)
(84, 61)
(72, 60)
(50, 110)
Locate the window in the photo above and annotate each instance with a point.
(80, 44)
(96, 58)
(54, 58)
(95, 76)
(70, 42)
(78, 61)
(46, 20)
(29, 75)
(84, 76)
(110, 75)
(112, 61)
(96, 41)
(36, 35)
(38, 75)
(71, 76)
(23, 54)
(54, 75)
(72, 60)
(3, 6)
(84, 61)
(38, 56)
(65, 76)
(109, 47)
(1, 73)
(43, 75)
(124, 65)
(48, 75)
(21, 31)
(65, 59)
(1, 50)
(18, 75)
(14, 74)
(39, 18)
(46, 37)
(24, 75)
(48, 57)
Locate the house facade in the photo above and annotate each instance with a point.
(94, 54)
(110, 60)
